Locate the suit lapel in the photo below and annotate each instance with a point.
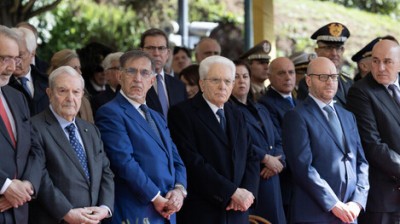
(15, 115)
(61, 139)
(384, 96)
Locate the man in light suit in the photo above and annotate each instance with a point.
(223, 171)
(155, 43)
(150, 177)
(15, 138)
(376, 107)
(77, 183)
(322, 144)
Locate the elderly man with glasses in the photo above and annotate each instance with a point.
(322, 144)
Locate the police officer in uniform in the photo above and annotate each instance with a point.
(330, 43)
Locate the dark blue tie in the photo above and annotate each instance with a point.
(76, 145)
(150, 120)
(290, 100)
(334, 123)
(24, 84)
(395, 93)
(161, 95)
(222, 120)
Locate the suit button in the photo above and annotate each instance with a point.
(270, 147)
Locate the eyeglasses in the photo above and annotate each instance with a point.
(218, 81)
(8, 60)
(338, 49)
(133, 71)
(325, 77)
(113, 68)
(161, 49)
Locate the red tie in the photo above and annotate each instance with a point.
(6, 121)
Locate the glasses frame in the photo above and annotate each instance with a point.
(216, 81)
(7, 59)
(325, 77)
(144, 73)
(161, 49)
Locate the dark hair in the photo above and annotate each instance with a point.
(153, 32)
(133, 55)
(239, 62)
(184, 49)
(191, 74)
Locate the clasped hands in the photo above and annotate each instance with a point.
(241, 200)
(87, 215)
(348, 212)
(170, 204)
(272, 166)
(17, 194)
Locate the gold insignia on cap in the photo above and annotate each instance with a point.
(335, 29)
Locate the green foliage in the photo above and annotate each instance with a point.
(376, 6)
(211, 11)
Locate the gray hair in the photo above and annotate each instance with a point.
(27, 36)
(64, 70)
(216, 59)
(9, 33)
(136, 54)
(106, 64)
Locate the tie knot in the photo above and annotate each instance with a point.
(159, 77)
(220, 113)
(144, 108)
(392, 87)
(70, 128)
(23, 80)
(328, 109)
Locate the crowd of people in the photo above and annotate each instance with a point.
(152, 137)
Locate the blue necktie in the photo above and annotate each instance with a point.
(222, 120)
(290, 100)
(24, 84)
(395, 93)
(150, 120)
(334, 123)
(76, 145)
(161, 95)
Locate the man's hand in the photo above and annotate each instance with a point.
(175, 200)
(273, 163)
(241, 200)
(354, 209)
(160, 204)
(18, 193)
(80, 215)
(342, 211)
(97, 213)
(4, 204)
(266, 173)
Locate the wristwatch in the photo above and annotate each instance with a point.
(182, 189)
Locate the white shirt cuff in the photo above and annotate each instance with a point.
(5, 186)
(154, 198)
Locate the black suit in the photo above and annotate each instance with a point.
(378, 119)
(217, 163)
(103, 98)
(344, 84)
(176, 94)
(41, 65)
(40, 99)
(13, 162)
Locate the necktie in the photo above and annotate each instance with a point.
(150, 120)
(76, 145)
(395, 93)
(334, 123)
(290, 100)
(24, 84)
(6, 122)
(161, 95)
(222, 120)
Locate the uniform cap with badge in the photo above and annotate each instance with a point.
(332, 32)
(301, 60)
(259, 52)
(366, 51)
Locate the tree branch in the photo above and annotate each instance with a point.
(28, 6)
(15, 6)
(43, 9)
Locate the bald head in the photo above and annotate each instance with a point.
(385, 61)
(205, 48)
(322, 79)
(282, 75)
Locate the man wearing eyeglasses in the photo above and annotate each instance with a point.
(330, 44)
(223, 171)
(166, 90)
(322, 144)
(27, 78)
(150, 177)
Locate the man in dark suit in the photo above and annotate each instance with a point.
(150, 177)
(322, 144)
(166, 90)
(77, 184)
(223, 171)
(375, 102)
(15, 138)
(330, 43)
(26, 78)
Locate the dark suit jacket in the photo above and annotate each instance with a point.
(344, 85)
(267, 141)
(13, 162)
(378, 119)
(217, 163)
(40, 99)
(102, 98)
(176, 94)
(143, 163)
(41, 65)
(324, 171)
(64, 185)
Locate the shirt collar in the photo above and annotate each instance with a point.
(213, 107)
(63, 123)
(134, 103)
